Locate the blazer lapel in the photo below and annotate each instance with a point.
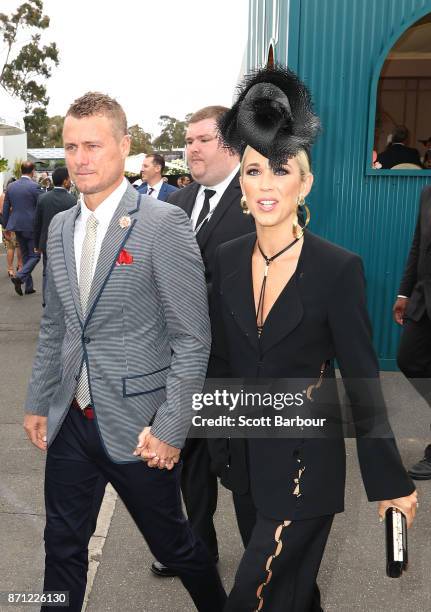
(68, 236)
(112, 244)
(162, 192)
(190, 200)
(237, 290)
(287, 311)
(231, 194)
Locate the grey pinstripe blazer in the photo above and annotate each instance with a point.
(146, 335)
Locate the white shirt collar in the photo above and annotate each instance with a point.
(106, 209)
(156, 187)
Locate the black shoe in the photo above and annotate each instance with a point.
(17, 284)
(30, 291)
(161, 570)
(164, 572)
(421, 470)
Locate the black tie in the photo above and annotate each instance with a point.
(150, 191)
(206, 206)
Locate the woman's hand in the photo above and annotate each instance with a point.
(408, 506)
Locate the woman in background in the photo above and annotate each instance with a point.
(9, 239)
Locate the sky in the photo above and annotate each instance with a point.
(158, 57)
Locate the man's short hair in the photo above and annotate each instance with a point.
(158, 160)
(401, 134)
(208, 112)
(27, 167)
(59, 175)
(95, 103)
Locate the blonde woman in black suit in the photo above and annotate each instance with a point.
(286, 304)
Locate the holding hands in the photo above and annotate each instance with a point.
(155, 452)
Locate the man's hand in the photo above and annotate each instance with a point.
(35, 427)
(155, 452)
(399, 309)
(8, 234)
(408, 506)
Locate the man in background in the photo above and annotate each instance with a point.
(18, 216)
(398, 152)
(412, 310)
(151, 173)
(212, 202)
(48, 205)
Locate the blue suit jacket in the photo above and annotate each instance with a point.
(164, 192)
(20, 205)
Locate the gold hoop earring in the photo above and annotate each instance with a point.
(244, 207)
(298, 229)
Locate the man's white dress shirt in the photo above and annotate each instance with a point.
(156, 189)
(215, 199)
(103, 213)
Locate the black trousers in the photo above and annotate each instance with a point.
(76, 465)
(414, 358)
(199, 487)
(279, 568)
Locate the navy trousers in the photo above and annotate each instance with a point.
(76, 465)
(29, 258)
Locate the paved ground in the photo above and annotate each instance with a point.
(352, 575)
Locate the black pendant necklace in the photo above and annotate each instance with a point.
(268, 261)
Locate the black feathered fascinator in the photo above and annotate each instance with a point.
(273, 114)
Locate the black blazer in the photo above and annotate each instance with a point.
(320, 315)
(48, 205)
(227, 222)
(416, 281)
(399, 154)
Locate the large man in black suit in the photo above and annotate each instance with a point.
(48, 205)
(398, 152)
(213, 204)
(412, 309)
(18, 216)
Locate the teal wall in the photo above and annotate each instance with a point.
(338, 48)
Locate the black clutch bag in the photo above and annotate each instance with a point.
(396, 543)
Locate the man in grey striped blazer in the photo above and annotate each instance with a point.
(124, 340)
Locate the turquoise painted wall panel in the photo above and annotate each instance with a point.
(334, 46)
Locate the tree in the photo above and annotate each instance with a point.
(44, 131)
(25, 67)
(172, 134)
(141, 140)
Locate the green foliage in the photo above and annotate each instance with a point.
(140, 140)
(172, 134)
(26, 67)
(44, 131)
(17, 168)
(3, 164)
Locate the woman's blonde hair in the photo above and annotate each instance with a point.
(301, 157)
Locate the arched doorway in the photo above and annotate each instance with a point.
(403, 94)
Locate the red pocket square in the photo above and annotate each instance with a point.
(124, 258)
